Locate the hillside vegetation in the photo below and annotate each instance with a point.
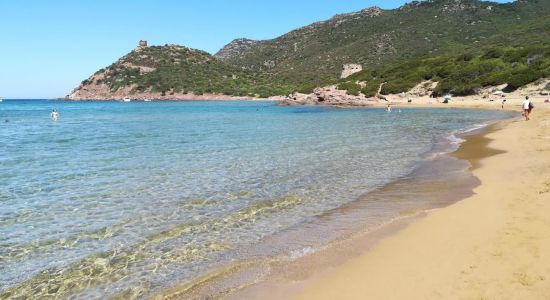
(459, 75)
(463, 44)
(174, 69)
(372, 37)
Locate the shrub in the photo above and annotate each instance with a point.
(464, 89)
(306, 88)
(465, 57)
(397, 86)
(494, 53)
(351, 88)
(371, 88)
(522, 78)
(494, 78)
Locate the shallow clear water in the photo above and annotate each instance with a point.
(128, 198)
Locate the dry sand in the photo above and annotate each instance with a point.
(513, 101)
(492, 245)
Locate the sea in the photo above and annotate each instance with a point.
(131, 199)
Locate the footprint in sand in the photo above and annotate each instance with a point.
(546, 188)
(524, 279)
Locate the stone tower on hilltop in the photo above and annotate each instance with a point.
(143, 43)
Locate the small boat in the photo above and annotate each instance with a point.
(147, 100)
(126, 100)
(1, 99)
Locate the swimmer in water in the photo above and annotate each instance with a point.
(54, 114)
(388, 109)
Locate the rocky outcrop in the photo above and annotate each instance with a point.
(235, 49)
(422, 89)
(540, 87)
(370, 12)
(448, 6)
(350, 69)
(329, 95)
(96, 88)
(102, 92)
(454, 6)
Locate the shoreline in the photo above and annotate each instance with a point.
(489, 245)
(513, 102)
(303, 274)
(284, 277)
(159, 97)
(190, 99)
(348, 249)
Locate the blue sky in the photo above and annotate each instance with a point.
(48, 47)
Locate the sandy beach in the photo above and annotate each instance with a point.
(492, 245)
(513, 101)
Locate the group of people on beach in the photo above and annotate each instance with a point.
(527, 107)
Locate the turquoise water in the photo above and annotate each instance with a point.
(127, 199)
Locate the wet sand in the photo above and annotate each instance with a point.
(494, 244)
(475, 148)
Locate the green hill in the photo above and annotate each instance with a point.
(374, 36)
(462, 74)
(417, 36)
(172, 69)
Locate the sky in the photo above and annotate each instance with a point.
(49, 47)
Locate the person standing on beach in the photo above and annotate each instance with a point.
(503, 101)
(527, 107)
